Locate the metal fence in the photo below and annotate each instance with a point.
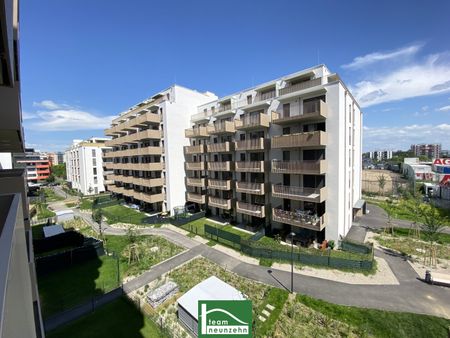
(182, 220)
(351, 246)
(303, 256)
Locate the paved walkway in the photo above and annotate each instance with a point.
(411, 295)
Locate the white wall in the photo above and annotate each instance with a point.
(5, 161)
(176, 118)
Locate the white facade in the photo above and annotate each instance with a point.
(380, 155)
(84, 165)
(275, 112)
(5, 161)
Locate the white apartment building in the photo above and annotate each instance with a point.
(84, 166)
(380, 155)
(147, 155)
(284, 155)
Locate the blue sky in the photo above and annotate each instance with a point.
(83, 62)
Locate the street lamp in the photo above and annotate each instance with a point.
(292, 234)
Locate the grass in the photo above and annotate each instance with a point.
(43, 211)
(71, 204)
(119, 318)
(265, 262)
(86, 204)
(379, 323)
(66, 288)
(51, 196)
(121, 214)
(276, 298)
(197, 226)
(404, 232)
(233, 230)
(37, 231)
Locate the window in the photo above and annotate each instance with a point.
(286, 110)
(94, 171)
(93, 153)
(286, 131)
(213, 109)
(95, 180)
(94, 162)
(249, 99)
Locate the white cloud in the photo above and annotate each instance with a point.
(400, 138)
(51, 105)
(362, 61)
(70, 119)
(416, 78)
(425, 108)
(28, 116)
(445, 108)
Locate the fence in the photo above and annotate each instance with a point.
(91, 249)
(255, 249)
(106, 203)
(182, 220)
(391, 186)
(65, 239)
(351, 246)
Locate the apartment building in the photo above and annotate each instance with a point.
(429, 150)
(20, 314)
(284, 155)
(84, 167)
(36, 163)
(380, 155)
(147, 156)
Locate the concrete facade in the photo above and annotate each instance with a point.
(284, 155)
(84, 166)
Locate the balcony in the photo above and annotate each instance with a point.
(221, 127)
(248, 122)
(148, 182)
(134, 152)
(155, 166)
(198, 149)
(196, 198)
(314, 110)
(149, 198)
(220, 147)
(196, 132)
(195, 182)
(299, 193)
(250, 209)
(299, 219)
(309, 139)
(194, 165)
(300, 167)
(251, 166)
(135, 137)
(219, 203)
(250, 188)
(220, 166)
(252, 144)
(201, 117)
(117, 190)
(219, 184)
(300, 86)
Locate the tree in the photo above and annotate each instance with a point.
(59, 170)
(381, 183)
(391, 212)
(50, 178)
(413, 205)
(97, 215)
(433, 225)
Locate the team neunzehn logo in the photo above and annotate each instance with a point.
(220, 318)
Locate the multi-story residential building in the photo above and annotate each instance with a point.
(84, 167)
(147, 155)
(37, 164)
(428, 150)
(20, 314)
(285, 155)
(380, 155)
(53, 158)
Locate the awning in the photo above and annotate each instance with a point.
(359, 204)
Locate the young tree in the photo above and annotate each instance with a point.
(413, 205)
(433, 225)
(381, 183)
(390, 209)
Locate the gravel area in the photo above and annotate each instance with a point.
(383, 276)
(236, 254)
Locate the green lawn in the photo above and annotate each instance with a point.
(119, 318)
(197, 226)
(86, 204)
(66, 288)
(43, 211)
(37, 231)
(121, 214)
(51, 196)
(243, 234)
(379, 323)
(403, 232)
(71, 204)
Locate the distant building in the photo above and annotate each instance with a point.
(60, 157)
(37, 164)
(412, 168)
(380, 155)
(84, 166)
(428, 150)
(53, 158)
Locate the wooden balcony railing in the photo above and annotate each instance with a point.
(196, 132)
(250, 166)
(250, 188)
(299, 167)
(219, 202)
(134, 152)
(308, 139)
(250, 209)
(195, 182)
(198, 149)
(220, 147)
(219, 184)
(252, 144)
(299, 219)
(220, 166)
(300, 86)
(299, 193)
(196, 198)
(195, 165)
(221, 127)
(253, 121)
(313, 110)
